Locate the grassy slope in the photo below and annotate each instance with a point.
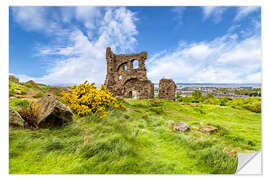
(139, 140)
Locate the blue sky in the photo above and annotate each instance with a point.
(66, 45)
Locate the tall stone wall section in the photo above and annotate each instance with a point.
(125, 80)
(167, 89)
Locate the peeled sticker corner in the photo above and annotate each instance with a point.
(249, 164)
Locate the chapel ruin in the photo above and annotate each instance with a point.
(167, 88)
(126, 75)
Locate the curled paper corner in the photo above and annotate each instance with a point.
(249, 164)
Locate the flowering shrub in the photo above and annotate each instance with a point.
(86, 98)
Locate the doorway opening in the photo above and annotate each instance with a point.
(132, 94)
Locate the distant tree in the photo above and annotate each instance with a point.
(197, 95)
(210, 95)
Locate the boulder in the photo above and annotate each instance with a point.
(15, 119)
(181, 126)
(52, 112)
(209, 129)
(18, 92)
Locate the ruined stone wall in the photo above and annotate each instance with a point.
(167, 89)
(125, 80)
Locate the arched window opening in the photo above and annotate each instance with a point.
(125, 67)
(135, 64)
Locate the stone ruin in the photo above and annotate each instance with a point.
(167, 89)
(126, 75)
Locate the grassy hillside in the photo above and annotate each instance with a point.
(139, 140)
(30, 90)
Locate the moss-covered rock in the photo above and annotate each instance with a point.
(15, 120)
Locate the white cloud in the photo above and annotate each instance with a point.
(31, 18)
(87, 15)
(38, 19)
(247, 51)
(254, 78)
(225, 59)
(215, 12)
(244, 11)
(198, 51)
(82, 57)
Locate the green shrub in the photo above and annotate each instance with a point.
(197, 96)
(213, 101)
(253, 104)
(254, 107)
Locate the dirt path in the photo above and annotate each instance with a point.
(30, 93)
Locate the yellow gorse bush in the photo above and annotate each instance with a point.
(86, 98)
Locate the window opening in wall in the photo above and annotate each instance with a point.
(135, 64)
(125, 67)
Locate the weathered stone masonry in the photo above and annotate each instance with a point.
(167, 88)
(124, 79)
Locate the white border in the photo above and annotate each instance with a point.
(4, 74)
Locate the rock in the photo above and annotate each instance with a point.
(15, 118)
(52, 112)
(18, 92)
(233, 152)
(209, 129)
(181, 126)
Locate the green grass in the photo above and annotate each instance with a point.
(12, 88)
(19, 103)
(38, 95)
(16, 86)
(138, 141)
(23, 88)
(44, 88)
